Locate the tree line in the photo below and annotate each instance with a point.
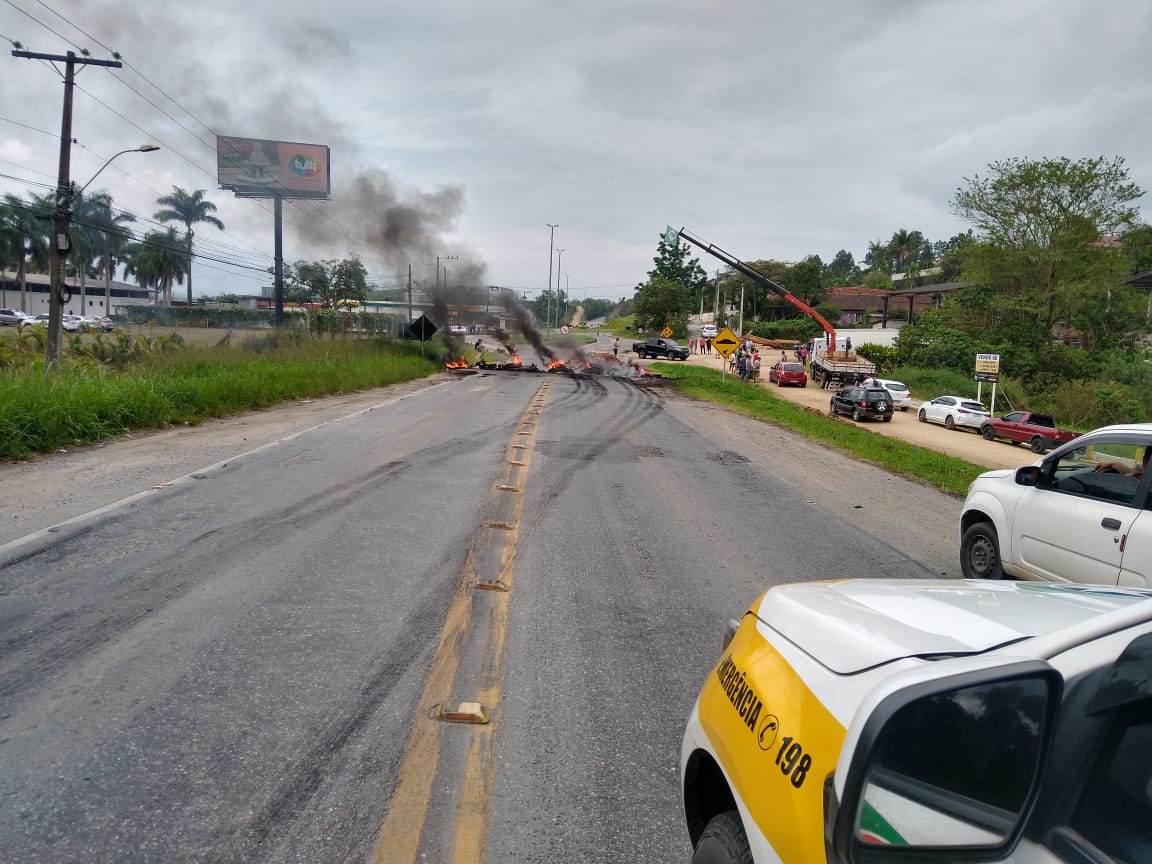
(101, 241)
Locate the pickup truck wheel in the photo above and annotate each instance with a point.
(1037, 444)
(988, 433)
(832, 408)
(949, 423)
(856, 414)
(980, 553)
(641, 354)
(921, 416)
(723, 842)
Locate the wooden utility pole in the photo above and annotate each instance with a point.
(61, 241)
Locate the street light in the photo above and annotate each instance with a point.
(143, 148)
(551, 246)
(559, 252)
(440, 258)
(66, 192)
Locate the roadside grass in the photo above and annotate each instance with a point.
(944, 472)
(85, 403)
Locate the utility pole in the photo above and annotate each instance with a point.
(559, 252)
(716, 301)
(61, 242)
(409, 293)
(551, 249)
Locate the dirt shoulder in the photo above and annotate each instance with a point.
(963, 444)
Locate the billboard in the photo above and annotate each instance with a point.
(256, 168)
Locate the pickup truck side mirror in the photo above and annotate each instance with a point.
(947, 770)
(1029, 475)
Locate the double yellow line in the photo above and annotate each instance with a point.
(399, 841)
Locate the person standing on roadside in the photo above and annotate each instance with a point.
(616, 347)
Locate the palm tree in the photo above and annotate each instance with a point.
(188, 208)
(95, 216)
(157, 262)
(28, 235)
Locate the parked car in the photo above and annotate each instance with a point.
(14, 317)
(106, 324)
(458, 329)
(73, 323)
(1038, 431)
(954, 411)
(1080, 514)
(901, 396)
(788, 373)
(709, 331)
(946, 721)
(40, 320)
(862, 402)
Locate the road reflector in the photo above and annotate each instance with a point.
(466, 712)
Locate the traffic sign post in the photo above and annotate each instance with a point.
(726, 342)
(666, 332)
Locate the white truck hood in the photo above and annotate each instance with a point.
(857, 624)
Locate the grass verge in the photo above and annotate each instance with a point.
(84, 404)
(947, 473)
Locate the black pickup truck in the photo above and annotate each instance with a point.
(667, 348)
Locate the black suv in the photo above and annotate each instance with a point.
(861, 402)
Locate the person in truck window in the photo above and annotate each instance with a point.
(1122, 468)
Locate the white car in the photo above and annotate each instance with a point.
(709, 331)
(1080, 514)
(954, 411)
(15, 316)
(901, 396)
(879, 721)
(458, 329)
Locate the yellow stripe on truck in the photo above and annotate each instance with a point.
(776, 741)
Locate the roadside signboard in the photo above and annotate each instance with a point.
(988, 367)
(666, 332)
(726, 342)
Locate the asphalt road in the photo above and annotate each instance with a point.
(246, 664)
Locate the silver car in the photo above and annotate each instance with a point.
(953, 411)
(901, 396)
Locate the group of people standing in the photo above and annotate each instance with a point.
(700, 345)
(745, 363)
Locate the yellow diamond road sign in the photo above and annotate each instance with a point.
(666, 332)
(726, 342)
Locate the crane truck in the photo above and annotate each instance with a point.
(830, 366)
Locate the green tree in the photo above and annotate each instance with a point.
(662, 302)
(330, 283)
(26, 237)
(188, 208)
(105, 237)
(842, 270)
(158, 262)
(675, 285)
(1039, 226)
(806, 280)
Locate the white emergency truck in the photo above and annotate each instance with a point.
(874, 720)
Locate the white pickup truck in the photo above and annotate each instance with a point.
(892, 721)
(1081, 514)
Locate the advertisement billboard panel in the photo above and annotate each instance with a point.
(256, 168)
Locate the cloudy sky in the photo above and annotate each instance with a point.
(772, 129)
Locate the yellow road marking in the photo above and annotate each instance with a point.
(399, 841)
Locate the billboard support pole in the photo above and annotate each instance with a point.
(278, 233)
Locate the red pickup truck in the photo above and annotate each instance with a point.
(1037, 430)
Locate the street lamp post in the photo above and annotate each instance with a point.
(551, 247)
(559, 252)
(66, 193)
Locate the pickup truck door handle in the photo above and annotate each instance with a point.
(1110, 524)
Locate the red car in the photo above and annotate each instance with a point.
(788, 373)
